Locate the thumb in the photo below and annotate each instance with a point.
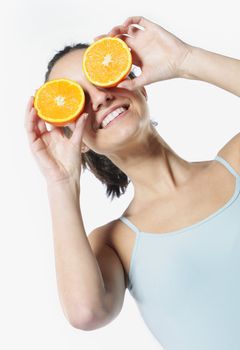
(132, 84)
(78, 131)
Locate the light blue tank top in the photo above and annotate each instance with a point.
(186, 283)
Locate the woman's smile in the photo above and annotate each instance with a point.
(117, 118)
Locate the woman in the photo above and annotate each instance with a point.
(177, 245)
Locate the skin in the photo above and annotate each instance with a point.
(131, 142)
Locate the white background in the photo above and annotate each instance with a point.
(195, 118)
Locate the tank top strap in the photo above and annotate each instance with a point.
(129, 224)
(228, 166)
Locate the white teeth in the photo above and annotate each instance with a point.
(112, 116)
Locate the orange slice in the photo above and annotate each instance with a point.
(107, 61)
(59, 101)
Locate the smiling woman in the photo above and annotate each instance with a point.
(176, 246)
(115, 180)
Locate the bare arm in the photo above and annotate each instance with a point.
(213, 68)
(79, 279)
(90, 276)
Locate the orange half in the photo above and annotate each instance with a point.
(107, 61)
(59, 101)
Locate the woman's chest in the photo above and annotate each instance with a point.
(191, 206)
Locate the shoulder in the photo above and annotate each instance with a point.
(104, 242)
(231, 152)
(112, 270)
(103, 234)
(107, 235)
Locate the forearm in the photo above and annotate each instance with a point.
(79, 279)
(213, 68)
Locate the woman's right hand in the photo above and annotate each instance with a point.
(58, 157)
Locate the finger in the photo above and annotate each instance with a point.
(127, 34)
(72, 126)
(56, 131)
(132, 30)
(99, 37)
(30, 103)
(134, 20)
(30, 125)
(136, 60)
(129, 31)
(118, 30)
(28, 107)
(78, 131)
(51, 126)
(42, 126)
(31, 119)
(132, 84)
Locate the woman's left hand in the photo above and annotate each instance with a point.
(159, 54)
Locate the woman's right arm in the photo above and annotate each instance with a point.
(89, 301)
(80, 284)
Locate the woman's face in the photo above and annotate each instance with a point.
(100, 101)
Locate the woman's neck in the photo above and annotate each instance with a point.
(153, 167)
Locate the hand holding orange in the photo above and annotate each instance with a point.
(59, 157)
(158, 53)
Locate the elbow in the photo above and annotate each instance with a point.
(87, 320)
(81, 320)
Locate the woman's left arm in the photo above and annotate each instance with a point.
(213, 68)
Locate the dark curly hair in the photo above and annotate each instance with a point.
(102, 167)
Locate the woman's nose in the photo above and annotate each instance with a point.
(100, 97)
